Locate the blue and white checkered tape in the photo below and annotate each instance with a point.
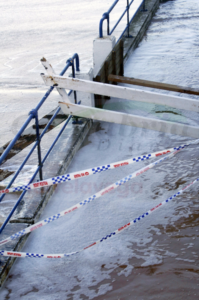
(100, 169)
(141, 157)
(55, 217)
(88, 200)
(34, 255)
(21, 188)
(18, 234)
(60, 179)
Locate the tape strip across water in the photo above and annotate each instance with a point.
(92, 171)
(119, 230)
(86, 201)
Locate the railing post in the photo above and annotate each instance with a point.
(108, 27)
(34, 113)
(143, 7)
(128, 22)
(76, 57)
(71, 61)
(105, 16)
(127, 6)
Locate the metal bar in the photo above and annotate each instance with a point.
(105, 16)
(50, 71)
(18, 135)
(122, 92)
(51, 88)
(31, 151)
(73, 74)
(112, 6)
(28, 136)
(130, 20)
(34, 114)
(34, 175)
(127, 17)
(76, 57)
(58, 136)
(38, 146)
(118, 21)
(153, 84)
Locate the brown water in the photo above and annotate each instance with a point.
(157, 258)
(169, 53)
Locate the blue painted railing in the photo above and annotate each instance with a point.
(34, 115)
(106, 16)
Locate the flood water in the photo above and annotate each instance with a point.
(158, 257)
(28, 33)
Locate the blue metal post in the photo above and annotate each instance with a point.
(71, 61)
(73, 74)
(34, 113)
(105, 16)
(76, 57)
(128, 22)
(127, 17)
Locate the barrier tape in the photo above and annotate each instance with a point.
(86, 201)
(92, 171)
(119, 230)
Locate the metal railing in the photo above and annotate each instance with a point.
(106, 16)
(34, 115)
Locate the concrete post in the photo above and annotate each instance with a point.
(87, 99)
(101, 49)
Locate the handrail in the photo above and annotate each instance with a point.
(128, 23)
(69, 63)
(34, 115)
(106, 16)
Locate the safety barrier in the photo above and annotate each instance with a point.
(106, 16)
(119, 230)
(88, 200)
(92, 171)
(34, 115)
(93, 197)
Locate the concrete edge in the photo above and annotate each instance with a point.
(143, 29)
(68, 159)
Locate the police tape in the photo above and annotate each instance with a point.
(119, 230)
(92, 171)
(86, 201)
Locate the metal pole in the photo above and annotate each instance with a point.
(127, 17)
(108, 28)
(73, 74)
(34, 113)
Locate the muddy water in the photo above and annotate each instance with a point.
(28, 33)
(157, 258)
(169, 53)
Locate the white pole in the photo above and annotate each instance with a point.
(127, 119)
